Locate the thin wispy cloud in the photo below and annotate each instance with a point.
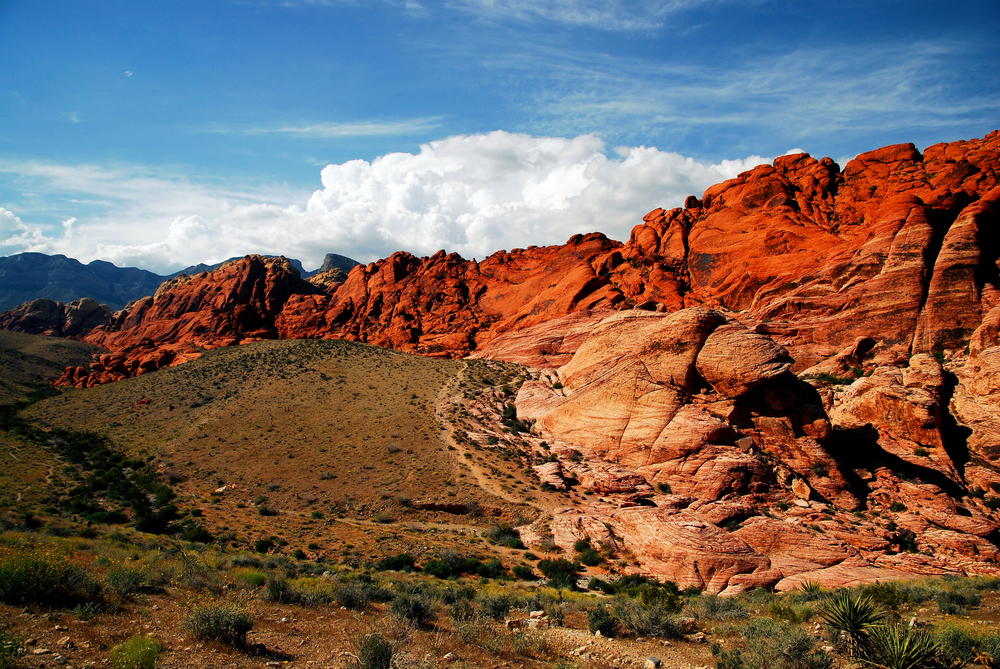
(359, 129)
(804, 94)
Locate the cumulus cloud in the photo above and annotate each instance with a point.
(14, 234)
(471, 194)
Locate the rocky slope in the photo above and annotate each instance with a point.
(713, 465)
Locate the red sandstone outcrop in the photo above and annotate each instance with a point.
(741, 443)
(236, 303)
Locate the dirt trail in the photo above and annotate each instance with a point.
(446, 396)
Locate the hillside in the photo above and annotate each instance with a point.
(29, 276)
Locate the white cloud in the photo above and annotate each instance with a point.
(16, 235)
(470, 194)
(72, 117)
(128, 73)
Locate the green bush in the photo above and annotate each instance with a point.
(359, 593)
(601, 620)
(402, 562)
(854, 614)
(765, 643)
(461, 611)
(227, 623)
(523, 572)
(126, 580)
(491, 568)
(898, 647)
(278, 589)
(718, 608)
(560, 573)
(374, 652)
(450, 565)
(252, 579)
(42, 577)
(10, 649)
(494, 606)
(504, 535)
(138, 652)
(955, 601)
(414, 607)
(650, 619)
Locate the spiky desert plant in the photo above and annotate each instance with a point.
(853, 614)
(898, 647)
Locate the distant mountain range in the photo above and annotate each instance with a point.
(30, 276)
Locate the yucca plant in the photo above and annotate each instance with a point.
(898, 647)
(854, 615)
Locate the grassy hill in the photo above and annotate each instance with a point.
(330, 447)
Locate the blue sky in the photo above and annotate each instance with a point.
(160, 134)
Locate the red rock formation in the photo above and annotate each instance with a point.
(236, 303)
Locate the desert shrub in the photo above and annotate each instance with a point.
(601, 620)
(664, 488)
(765, 643)
(504, 535)
(497, 640)
(87, 610)
(589, 557)
(461, 611)
(250, 579)
(893, 594)
(649, 618)
(39, 576)
(414, 607)
(277, 589)
(782, 609)
(897, 647)
(450, 565)
(359, 593)
(402, 562)
(374, 652)
(523, 572)
(126, 580)
(854, 614)
(228, 623)
(897, 507)
(955, 601)
(247, 561)
(494, 605)
(491, 568)
(560, 573)
(138, 652)
(714, 607)
(10, 649)
(960, 642)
